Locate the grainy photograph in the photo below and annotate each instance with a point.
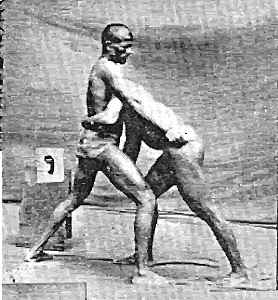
(139, 149)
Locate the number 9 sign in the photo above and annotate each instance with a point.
(50, 165)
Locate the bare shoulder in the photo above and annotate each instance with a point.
(107, 68)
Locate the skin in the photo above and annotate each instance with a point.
(159, 127)
(98, 151)
(180, 164)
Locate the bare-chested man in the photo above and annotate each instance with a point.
(98, 148)
(180, 164)
(160, 128)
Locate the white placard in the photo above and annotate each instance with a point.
(50, 165)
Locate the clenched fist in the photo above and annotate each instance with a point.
(180, 135)
(87, 123)
(177, 135)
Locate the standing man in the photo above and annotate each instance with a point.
(180, 164)
(98, 149)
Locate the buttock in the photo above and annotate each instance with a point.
(91, 145)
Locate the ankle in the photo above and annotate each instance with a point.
(150, 258)
(240, 271)
(143, 270)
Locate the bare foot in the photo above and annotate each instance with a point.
(130, 260)
(151, 279)
(234, 280)
(37, 256)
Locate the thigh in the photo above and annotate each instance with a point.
(190, 179)
(161, 175)
(123, 173)
(177, 166)
(195, 191)
(84, 177)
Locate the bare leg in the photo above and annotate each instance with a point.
(160, 178)
(191, 185)
(84, 178)
(181, 167)
(124, 175)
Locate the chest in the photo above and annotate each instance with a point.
(98, 94)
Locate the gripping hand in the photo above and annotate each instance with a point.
(87, 123)
(177, 136)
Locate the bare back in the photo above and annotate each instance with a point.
(152, 135)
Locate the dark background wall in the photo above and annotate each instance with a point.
(213, 62)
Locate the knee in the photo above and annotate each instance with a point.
(197, 194)
(82, 186)
(210, 213)
(146, 199)
(65, 208)
(81, 194)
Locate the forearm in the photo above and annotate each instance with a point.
(144, 104)
(103, 118)
(139, 99)
(157, 113)
(108, 116)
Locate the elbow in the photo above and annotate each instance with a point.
(107, 120)
(111, 119)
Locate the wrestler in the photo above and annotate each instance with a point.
(180, 164)
(98, 150)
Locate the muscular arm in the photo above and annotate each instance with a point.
(109, 116)
(140, 100)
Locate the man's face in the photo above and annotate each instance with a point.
(119, 52)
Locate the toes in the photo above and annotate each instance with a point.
(234, 280)
(36, 257)
(151, 279)
(130, 260)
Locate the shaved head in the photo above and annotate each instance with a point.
(116, 33)
(117, 41)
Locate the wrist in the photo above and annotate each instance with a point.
(87, 123)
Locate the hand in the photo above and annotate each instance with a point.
(87, 123)
(177, 135)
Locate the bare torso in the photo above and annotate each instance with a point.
(99, 94)
(138, 123)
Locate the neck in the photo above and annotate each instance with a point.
(106, 55)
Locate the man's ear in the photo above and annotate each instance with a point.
(108, 45)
